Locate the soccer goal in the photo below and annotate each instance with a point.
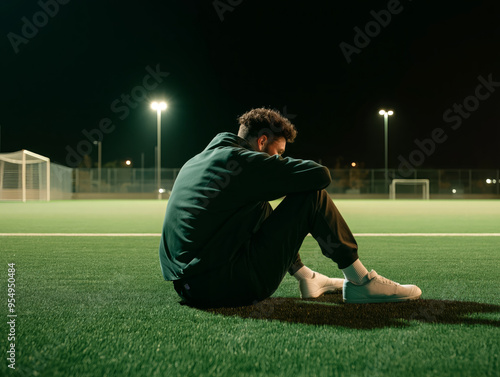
(24, 175)
(413, 182)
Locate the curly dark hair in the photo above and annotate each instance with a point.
(262, 121)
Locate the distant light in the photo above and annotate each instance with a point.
(128, 162)
(353, 164)
(454, 191)
(161, 191)
(488, 181)
(381, 112)
(390, 112)
(494, 181)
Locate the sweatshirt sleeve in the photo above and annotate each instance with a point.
(271, 177)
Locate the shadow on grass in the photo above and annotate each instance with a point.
(330, 310)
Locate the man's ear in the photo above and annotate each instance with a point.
(261, 142)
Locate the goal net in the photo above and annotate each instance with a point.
(24, 175)
(414, 184)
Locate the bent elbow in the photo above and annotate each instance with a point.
(326, 178)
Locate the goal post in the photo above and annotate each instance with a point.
(24, 175)
(423, 182)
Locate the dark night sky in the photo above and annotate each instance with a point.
(88, 54)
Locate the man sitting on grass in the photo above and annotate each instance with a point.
(223, 245)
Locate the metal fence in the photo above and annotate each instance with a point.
(441, 181)
(122, 180)
(61, 186)
(344, 181)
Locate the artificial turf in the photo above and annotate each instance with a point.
(137, 216)
(97, 306)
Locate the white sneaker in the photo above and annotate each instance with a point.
(379, 289)
(319, 284)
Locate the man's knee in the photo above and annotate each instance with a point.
(313, 194)
(320, 197)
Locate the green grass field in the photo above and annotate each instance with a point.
(97, 306)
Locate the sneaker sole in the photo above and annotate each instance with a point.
(321, 291)
(381, 300)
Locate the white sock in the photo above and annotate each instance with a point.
(304, 273)
(356, 273)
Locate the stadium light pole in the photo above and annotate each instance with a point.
(386, 115)
(99, 163)
(159, 106)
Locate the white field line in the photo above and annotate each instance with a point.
(82, 234)
(427, 234)
(159, 234)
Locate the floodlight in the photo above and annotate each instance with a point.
(454, 191)
(383, 112)
(159, 105)
(488, 181)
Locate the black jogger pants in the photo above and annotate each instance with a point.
(259, 267)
